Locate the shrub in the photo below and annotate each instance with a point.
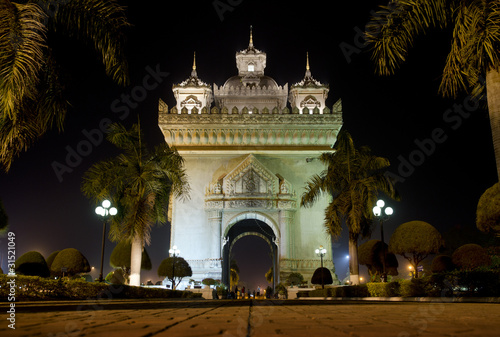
(281, 290)
(72, 260)
(479, 282)
(295, 279)
(383, 289)
(470, 256)
(319, 293)
(35, 287)
(32, 264)
(413, 287)
(209, 282)
(221, 291)
(115, 277)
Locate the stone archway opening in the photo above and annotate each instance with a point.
(252, 243)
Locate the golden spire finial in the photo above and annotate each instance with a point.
(193, 72)
(251, 37)
(307, 62)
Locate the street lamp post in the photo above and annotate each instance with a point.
(174, 252)
(105, 211)
(382, 213)
(321, 252)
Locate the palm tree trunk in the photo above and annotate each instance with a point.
(353, 261)
(135, 261)
(493, 93)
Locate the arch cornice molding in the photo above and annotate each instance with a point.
(248, 128)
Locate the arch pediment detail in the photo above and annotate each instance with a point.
(250, 178)
(250, 185)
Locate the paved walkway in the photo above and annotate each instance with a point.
(124, 318)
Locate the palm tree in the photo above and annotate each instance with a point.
(473, 62)
(140, 182)
(31, 91)
(353, 179)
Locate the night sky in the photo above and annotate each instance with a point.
(443, 157)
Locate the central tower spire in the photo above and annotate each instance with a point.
(250, 45)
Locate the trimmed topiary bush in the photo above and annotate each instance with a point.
(72, 260)
(488, 211)
(32, 264)
(415, 240)
(441, 264)
(209, 282)
(51, 258)
(327, 276)
(470, 256)
(115, 277)
(182, 269)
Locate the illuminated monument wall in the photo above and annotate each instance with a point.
(248, 158)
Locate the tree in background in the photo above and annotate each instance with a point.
(295, 279)
(488, 211)
(140, 181)
(353, 179)
(175, 272)
(69, 262)
(415, 240)
(32, 92)
(33, 264)
(470, 256)
(234, 276)
(270, 275)
(120, 258)
(371, 254)
(473, 62)
(441, 264)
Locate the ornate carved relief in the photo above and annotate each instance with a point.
(250, 185)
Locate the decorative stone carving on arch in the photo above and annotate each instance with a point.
(250, 185)
(250, 178)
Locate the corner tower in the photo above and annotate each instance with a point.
(308, 94)
(192, 95)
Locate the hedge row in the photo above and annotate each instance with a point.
(35, 287)
(458, 283)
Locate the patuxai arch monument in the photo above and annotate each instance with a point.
(249, 147)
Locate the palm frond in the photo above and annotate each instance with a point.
(101, 24)
(314, 189)
(22, 44)
(392, 29)
(16, 135)
(474, 48)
